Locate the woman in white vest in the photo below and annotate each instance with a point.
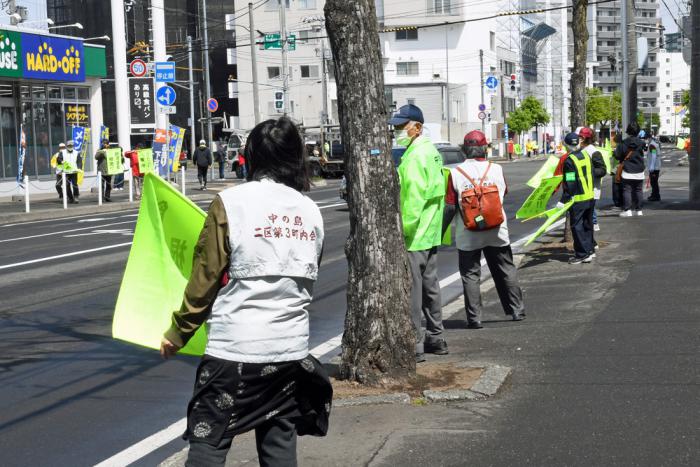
(252, 278)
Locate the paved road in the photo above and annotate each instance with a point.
(71, 394)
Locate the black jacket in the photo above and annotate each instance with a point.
(571, 184)
(635, 164)
(202, 157)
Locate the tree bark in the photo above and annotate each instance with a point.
(578, 76)
(379, 339)
(694, 153)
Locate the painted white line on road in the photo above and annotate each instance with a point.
(163, 437)
(147, 446)
(66, 255)
(63, 218)
(92, 227)
(333, 206)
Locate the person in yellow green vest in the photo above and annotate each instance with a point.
(577, 185)
(59, 169)
(422, 196)
(599, 167)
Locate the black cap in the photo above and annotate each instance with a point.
(407, 113)
(571, 139)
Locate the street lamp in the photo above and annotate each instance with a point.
(100, 38)
(74, 25)
(48, 21)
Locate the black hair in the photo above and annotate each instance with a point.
(633, 129)
(275, 149)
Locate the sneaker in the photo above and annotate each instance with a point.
(437, 347)
(420, 357)
(616, 209)
(577, 260)
(640, 213)
(627, 213)
(475, 325)
(595, 248)
(596, 228)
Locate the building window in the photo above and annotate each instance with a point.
(307, 4)
(407, 68)
(275, 4)
(273, 72)
(440, 7)
(309, 71)
(492, 41)
(411, 101)
(407, 35)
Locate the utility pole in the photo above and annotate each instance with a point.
(481, 71)
(254, 65)
(158, 28)
(285, 66)
(625, 65)
(632, 52)
(191, 85)
(694, 155)
(505, 124)
(121, 81)
(207, 84)
(447, 85)
(324, 87)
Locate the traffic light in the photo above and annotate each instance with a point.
(279, 101)
(512, 82)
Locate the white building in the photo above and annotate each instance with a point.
(674, 79)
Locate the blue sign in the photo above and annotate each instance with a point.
(482, 107)
(78, 137)
(212, 104)
(166, 95)
(165, 72)
(52, 58)
(491, 82)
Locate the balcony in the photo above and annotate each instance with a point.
(647, 79)
(607, 80)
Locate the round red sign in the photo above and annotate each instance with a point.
(138, 68)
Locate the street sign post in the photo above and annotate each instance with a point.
(165, 72)
(142, 106)
(482, 115)
(138, 68)
(212, 104)
(167, 109)
(274, 41)
(166, 95)
(491, 82)
(482, 107)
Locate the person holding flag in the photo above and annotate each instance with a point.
(59, 169)
(68, 159)
(577, 186)
(101, 158)
(598, 166)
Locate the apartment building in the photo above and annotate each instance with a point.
(674, 80)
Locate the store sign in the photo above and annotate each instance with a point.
(52, 58)
(142, 105)
(10, 54)
(76, 114)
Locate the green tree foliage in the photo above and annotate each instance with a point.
(530, 113)
(603, 109)
(686, 102)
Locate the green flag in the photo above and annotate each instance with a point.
(536, 204)
(517, 149)
(447, 238)
(145, 161)
(546, 171)
(158, 268)
(114, 161)
(680, 144)
(552, 215)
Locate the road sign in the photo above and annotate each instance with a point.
(167, 109)
(165, 72)
(482, 115)
(482, 107)
(141, 105)
(491, 82)
(274, 41)
(138, 68)
(212, 104)
(166, 95)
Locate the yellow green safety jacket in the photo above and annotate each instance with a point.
(422, 195)
(578, 178)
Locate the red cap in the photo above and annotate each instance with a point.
(585, 132)
(475, 138)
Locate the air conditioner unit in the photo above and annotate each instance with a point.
(436, 75)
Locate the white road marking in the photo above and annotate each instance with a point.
(63, 218)
(333, 205)
(96, 219)
(124, 232)
(66, 255)
(65, 231)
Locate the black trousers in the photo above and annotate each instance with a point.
(654, 181)
(633, 194)
(72, 190)
(106, 186)
(276, 442)
(616, 193)
(582, 228)
(59, 185)
(202, 175)
(505, 276)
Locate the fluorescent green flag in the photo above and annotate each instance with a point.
(680, 144)
(546, 171)
(145, 161)
(552, 215)
(447, 238)
(159, 266)
(606, 152)
(114, 161)
(536, 204)
(517, 149)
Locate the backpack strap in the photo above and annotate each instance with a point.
(483, 177)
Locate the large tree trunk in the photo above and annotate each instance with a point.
(578, 76)
(694, 154)
(379, 340)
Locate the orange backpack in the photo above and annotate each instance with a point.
(481, 205)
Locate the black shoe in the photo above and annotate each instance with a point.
(518, 317)
(437, 347)
(577, 260)
(652, 198)
(475, 325)
(420, 357)
(108, 200)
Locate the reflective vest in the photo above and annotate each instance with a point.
(585, 176)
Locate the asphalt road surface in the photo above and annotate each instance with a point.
(73, 396)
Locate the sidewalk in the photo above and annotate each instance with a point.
(591, 332)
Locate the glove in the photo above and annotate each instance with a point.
(560, 205)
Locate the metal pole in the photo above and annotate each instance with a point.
(121, 82)
(64, 191)
(625, 65)
(131, 185)
(324, 117)
(481, 71)
(159, 51)
(285, 66)
(183, 180)
(191, 84)
(26, 193)
(505, 124)
(207, 83)
(99, 188)
(254, 65)
(447, 85)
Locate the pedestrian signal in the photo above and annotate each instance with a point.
(279, 101)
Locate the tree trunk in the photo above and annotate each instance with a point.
(694, 153)
(578, 76)
(379, 340)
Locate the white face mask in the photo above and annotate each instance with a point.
(402, 138)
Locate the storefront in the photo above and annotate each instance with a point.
(48, 84)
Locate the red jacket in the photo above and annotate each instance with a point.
(133, 157)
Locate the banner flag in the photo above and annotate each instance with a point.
(160, 153)
(607, 153)
(552, 216)
(158, 268)
(83, 155)
(447, 238)
(145, 161)
(517, 149)
(104, 133)
(78, 136)
(177, 136)
(20, 154)
(546, 171)
(536, 204)
(114, 161)
(680, 144)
